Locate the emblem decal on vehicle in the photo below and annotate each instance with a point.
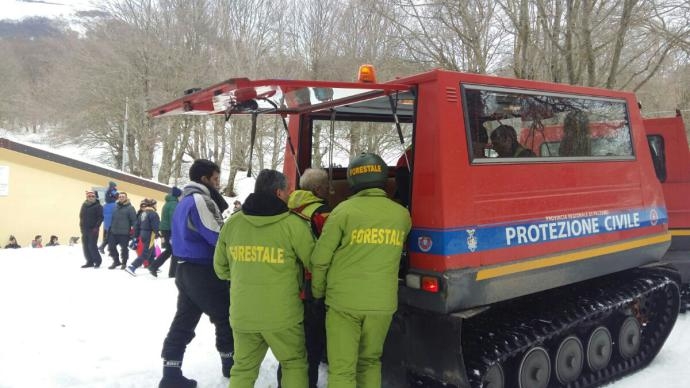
(424, 243)
(471, 240)
(653, 217)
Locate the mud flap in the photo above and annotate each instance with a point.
(423, 345)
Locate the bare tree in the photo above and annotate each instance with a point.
(615, 44)
(456, 35)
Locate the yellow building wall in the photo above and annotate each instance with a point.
(45, 198)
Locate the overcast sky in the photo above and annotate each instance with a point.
(19, 9)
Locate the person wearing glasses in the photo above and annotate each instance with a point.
(90, 219)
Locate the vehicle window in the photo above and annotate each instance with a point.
(658, 151)
(509, 123)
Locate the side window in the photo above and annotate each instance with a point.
(658, 151)
(509, 123)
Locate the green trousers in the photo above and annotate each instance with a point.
(288, 348)
(355, 344)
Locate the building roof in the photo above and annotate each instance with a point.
(74, 163)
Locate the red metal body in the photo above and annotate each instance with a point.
(460, 206)
(488, 229)
(676, 186)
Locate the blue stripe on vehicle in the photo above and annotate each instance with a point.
(563, 227)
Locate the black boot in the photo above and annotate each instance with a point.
(153, 270)
(172, 376)
(87, 265)
(226, 363)
(115, 265)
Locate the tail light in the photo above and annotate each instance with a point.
(424, 283)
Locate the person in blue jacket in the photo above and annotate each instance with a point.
(196, 225)
(108, 209)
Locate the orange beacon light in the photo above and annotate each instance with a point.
(366, 74)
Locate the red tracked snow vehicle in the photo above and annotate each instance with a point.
(540, 271)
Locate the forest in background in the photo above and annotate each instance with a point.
(72, 78)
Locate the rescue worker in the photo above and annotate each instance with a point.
(262, 250)
(355, 266)
(310, 203)
(504, 141)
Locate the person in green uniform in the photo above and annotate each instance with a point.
(310, 203)
(262, 250)
(355, 266)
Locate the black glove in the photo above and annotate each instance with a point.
(133, 244)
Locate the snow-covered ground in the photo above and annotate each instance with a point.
(63, 326)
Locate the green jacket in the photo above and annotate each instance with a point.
(356, 260)
(304, 202)
(167, 211)
(263, 256)
(310, 206)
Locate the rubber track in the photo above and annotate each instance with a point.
(505, 332)
(685, 298)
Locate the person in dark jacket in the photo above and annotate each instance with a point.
(146, 231)
(165, 227)
(121, 227)
(108, 209)
(505, 143)
(195, 227)
(90, 219)
(53, 241)
(12, 244)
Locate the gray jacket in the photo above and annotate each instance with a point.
(124, 218)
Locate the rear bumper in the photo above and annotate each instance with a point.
(469, 288)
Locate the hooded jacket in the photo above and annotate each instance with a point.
(355, 262)
(167, 212)
(314, 209)
(148, 222)
(262, 251)
(310, 206)
(197, 221)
